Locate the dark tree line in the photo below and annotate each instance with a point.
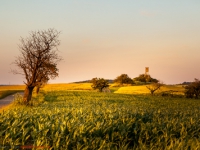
(145, 78)
(123, 79)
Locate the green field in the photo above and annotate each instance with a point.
(92, 120)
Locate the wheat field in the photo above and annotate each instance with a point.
(72, 116)
(92, 120)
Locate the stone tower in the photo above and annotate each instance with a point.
(146, 70)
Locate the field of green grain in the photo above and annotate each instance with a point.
(92, 120)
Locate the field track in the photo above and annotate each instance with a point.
(7, 100)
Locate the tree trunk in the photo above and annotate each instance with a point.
(28, 95)
(37, 89)
(152, 92)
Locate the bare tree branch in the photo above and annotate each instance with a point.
(154, 87)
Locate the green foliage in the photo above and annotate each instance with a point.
(18, 99)
(99, 83)
(193, 90)
(92, 120)
(145, 78)
(171, 93)
(35, 101)
(123, 79)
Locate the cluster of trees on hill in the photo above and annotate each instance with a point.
(141, 79)
(124, 79)
(146, 79)
(192, 90)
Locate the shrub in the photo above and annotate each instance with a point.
(18, 99)
(123, 79)
(99, 83)
(145, 78)
(193, 90)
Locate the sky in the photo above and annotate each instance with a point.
(107, 38)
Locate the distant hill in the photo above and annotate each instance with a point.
(186, 83)
(88, 81)
(85, 81)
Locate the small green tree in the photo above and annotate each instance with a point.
(99, 83)
(193, 90)
(123, 79)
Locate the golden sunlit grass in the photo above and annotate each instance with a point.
(140, 89)
(12, 87)
(68, 86)
(133, 90)
(143, 90)
(8, 90)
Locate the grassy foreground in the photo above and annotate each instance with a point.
(92, 120)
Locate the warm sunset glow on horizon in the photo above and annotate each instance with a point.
(108, 38)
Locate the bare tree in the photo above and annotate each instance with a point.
(154, 87)
(38, 59)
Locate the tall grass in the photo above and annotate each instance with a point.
(91, 120)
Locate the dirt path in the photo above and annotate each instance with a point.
(7, 100)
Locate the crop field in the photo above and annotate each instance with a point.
(178, 89)
(68, 86)
(8, 90)
(93, 120)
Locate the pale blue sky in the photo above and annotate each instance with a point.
(109, 37)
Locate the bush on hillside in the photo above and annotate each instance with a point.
(99, 84)
(145, 79)
(123, 79)
(193, 90)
